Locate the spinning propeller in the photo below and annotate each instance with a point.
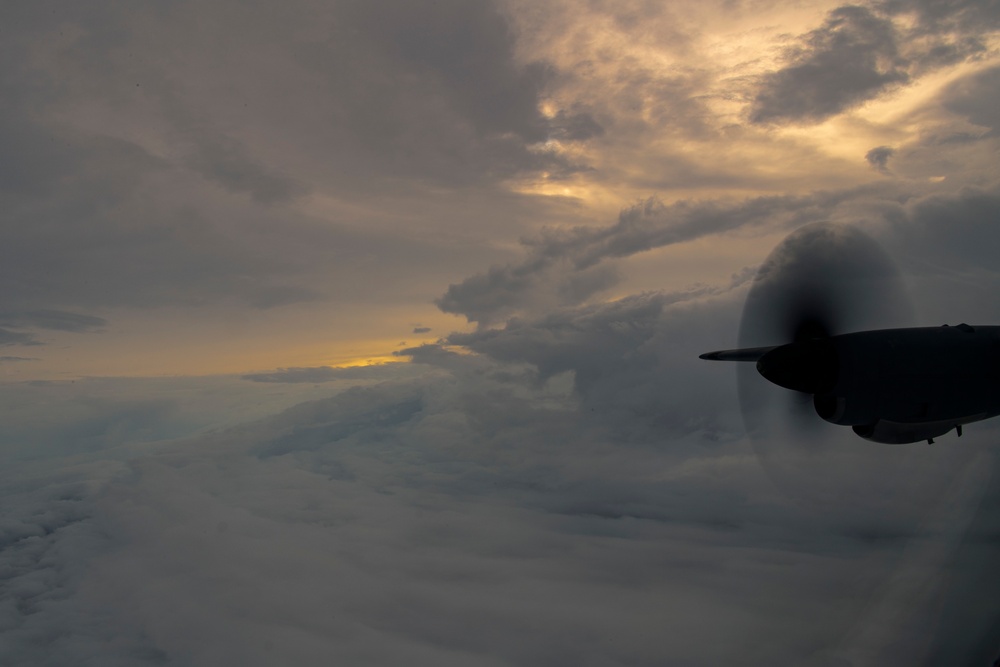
(823, 346)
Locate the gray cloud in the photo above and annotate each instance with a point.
(431, 91)
(944, 19)
(942, 242)
(224, 161)
(136, 177)
(862, 52)
(12, 360)
(575, 127)
(878, 158)
(430, 519)
(976, 98)
(618, 356)
(55, 320)
(943, 33)
(852, 58)
(8, 337)
(324, 374)
(467, 51)
(567, 260)
(93, 223)
(421, 330)
(317, 374)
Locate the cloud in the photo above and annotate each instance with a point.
(97, 223)
(12, 360)
(967, 20)
(566, 261)
(862, 52)
(223, 160)
(952, 230)
(430, 519)
(853, 57)
(41, 528)
(324, 374)
(432, 91)
(878, 158)
(189, 185)
(575, 127)
(8, 337)
(975, 97)
(498, 485)
(941, 242)
(421, 330)
(621, 357)
(53, 320)
(317, 374)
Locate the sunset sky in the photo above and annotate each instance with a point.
(366, 331)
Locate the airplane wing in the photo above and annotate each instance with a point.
(745, 354)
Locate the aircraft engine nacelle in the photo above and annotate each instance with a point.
(843, 411)
(894, 433)
(895, 385)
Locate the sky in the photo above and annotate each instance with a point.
(367, 331)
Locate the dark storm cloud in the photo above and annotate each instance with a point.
(853, 57)
(878, 158)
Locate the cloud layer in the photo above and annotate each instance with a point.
(433, 519)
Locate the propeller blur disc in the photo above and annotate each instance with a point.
(824, 280)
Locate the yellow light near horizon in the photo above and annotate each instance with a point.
(364, 360)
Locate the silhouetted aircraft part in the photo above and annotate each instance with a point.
(893, 386)
(837, 364)
(814, 296)
(749, 354)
